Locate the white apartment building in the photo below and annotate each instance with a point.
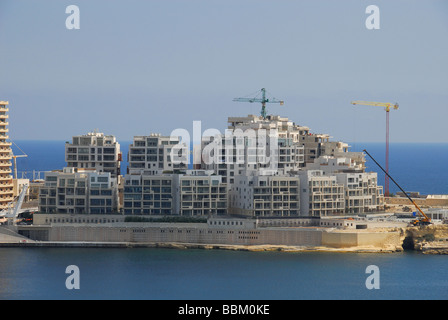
(94, 151)
(321, 195)
(362, 192)
(78, 191)
(202, 194)
(193, 193)
(153, 155)
(149, 194)
(250, 148)
(314, 144)
(328, 172)
(265, 195)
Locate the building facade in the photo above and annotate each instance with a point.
(78, 191)
(194, 193)
(94, 151)
(153, 155)
(6, 183)
(321, 195)
(265, 196)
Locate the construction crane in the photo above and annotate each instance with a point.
(387, 107)
(14, 157)
(12, 210)
(423, 219)
(263, 101)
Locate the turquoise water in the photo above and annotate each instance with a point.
(171, 274)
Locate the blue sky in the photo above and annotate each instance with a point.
(137, 67)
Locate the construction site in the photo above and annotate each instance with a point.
(319, 197)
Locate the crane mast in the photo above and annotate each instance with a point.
(15, 159)
(387, 107)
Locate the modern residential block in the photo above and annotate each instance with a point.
(194, 193)
(79, 191)
(94, 151)
(152, 155)
(265, 196)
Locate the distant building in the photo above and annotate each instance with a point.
(152, 155)
(94, 151)
(6, 183)
(78, 191)
(18, 185)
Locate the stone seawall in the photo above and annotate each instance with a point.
(200, 235)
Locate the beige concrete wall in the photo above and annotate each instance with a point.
(187, 233)
(361, 239)
(339, 239)
(202, 234)
(50, 218)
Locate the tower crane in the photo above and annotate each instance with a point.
(387, 107)
(13, 209)
(14, 157)
(263, 101)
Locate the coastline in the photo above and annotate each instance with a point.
(186, 246)
(428, 240)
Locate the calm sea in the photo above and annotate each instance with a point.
(169, 274)
(173, 274)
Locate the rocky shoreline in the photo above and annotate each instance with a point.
(177, 245)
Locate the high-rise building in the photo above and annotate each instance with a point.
(94, 151)
(6, 183)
